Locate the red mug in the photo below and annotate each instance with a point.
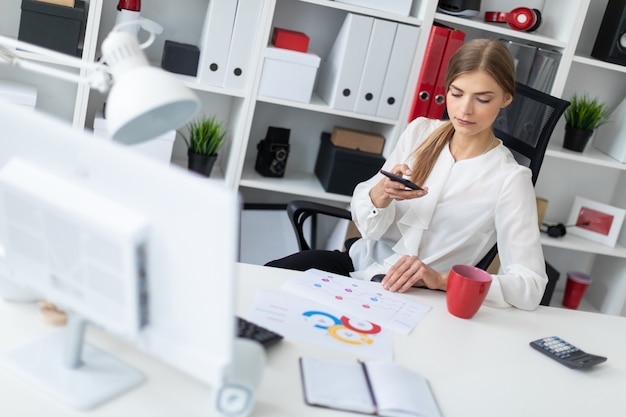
(466, 290)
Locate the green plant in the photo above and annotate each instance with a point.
(586, 113)
(205, 135)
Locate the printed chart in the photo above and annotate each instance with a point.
(363, 299)
(301, 319)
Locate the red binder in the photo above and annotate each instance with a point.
(430, 69)
(438, 101)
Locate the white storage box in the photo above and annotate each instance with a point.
(159, 148)
(401, 7)
(610, 138)
(288, 74)
(18, 93)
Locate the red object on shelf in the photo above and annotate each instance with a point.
(133, 5)
(430, 69)
(438, 100)
(290, 39)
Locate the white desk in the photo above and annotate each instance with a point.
(479, 367)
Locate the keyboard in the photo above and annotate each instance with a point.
(253, 331)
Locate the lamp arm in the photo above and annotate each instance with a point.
(98, 76)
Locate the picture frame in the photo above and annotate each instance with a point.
(596, 221)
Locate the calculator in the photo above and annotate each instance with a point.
(566, 353)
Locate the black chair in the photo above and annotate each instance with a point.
(525, 127)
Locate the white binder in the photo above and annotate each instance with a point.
(215, 41)
(340, 73)
(373, 75)
(398, 70)
(242, 43)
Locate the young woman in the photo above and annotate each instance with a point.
(474, 195)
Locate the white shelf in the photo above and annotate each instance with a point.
(193, 83)
(591, 155)
(410, 20)
(499, 28)
(319, 106)
(294, 182)
(580, 244)
(587, 60)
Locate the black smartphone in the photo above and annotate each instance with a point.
(401, 180)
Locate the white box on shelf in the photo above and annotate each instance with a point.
(18, 93)
(288, 74)
(401, 7)
(610, 138)
(159, 148)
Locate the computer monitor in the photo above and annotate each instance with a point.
(145, 251)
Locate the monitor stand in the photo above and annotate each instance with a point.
(76, 373)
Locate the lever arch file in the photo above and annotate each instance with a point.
(438, 100)
(340, 73)
(376, 61)
(242, 44)
(215, 41)
(398, 71)
(430, 69)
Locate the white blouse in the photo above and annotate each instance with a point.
(470, 204)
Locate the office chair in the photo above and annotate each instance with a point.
(525, 127)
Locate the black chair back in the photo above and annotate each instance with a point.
(525, 127)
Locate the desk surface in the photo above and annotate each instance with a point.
(478, 367)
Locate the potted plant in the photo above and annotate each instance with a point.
(583, 116)
(204, 137)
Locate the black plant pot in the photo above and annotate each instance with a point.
(576, 139)
(202, 164)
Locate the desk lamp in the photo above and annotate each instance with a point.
(143, 102)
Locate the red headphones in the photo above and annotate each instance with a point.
(520, 18)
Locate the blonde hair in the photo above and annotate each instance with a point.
(487, 55)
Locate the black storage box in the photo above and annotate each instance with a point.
(341, 169)
(52, 26)
(181, 58)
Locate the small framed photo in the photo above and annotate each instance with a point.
(596, 221)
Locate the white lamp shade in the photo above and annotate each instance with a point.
(146, 102)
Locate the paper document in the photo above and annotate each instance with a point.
(298, 318)
(363, 299)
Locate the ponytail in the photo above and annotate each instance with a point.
(428, 151)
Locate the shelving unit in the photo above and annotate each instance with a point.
(571, 28)
(568, 26)
(307, 120)
(591, 174)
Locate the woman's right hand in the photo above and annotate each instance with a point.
(387, 190)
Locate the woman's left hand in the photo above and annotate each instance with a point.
(410, 271)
